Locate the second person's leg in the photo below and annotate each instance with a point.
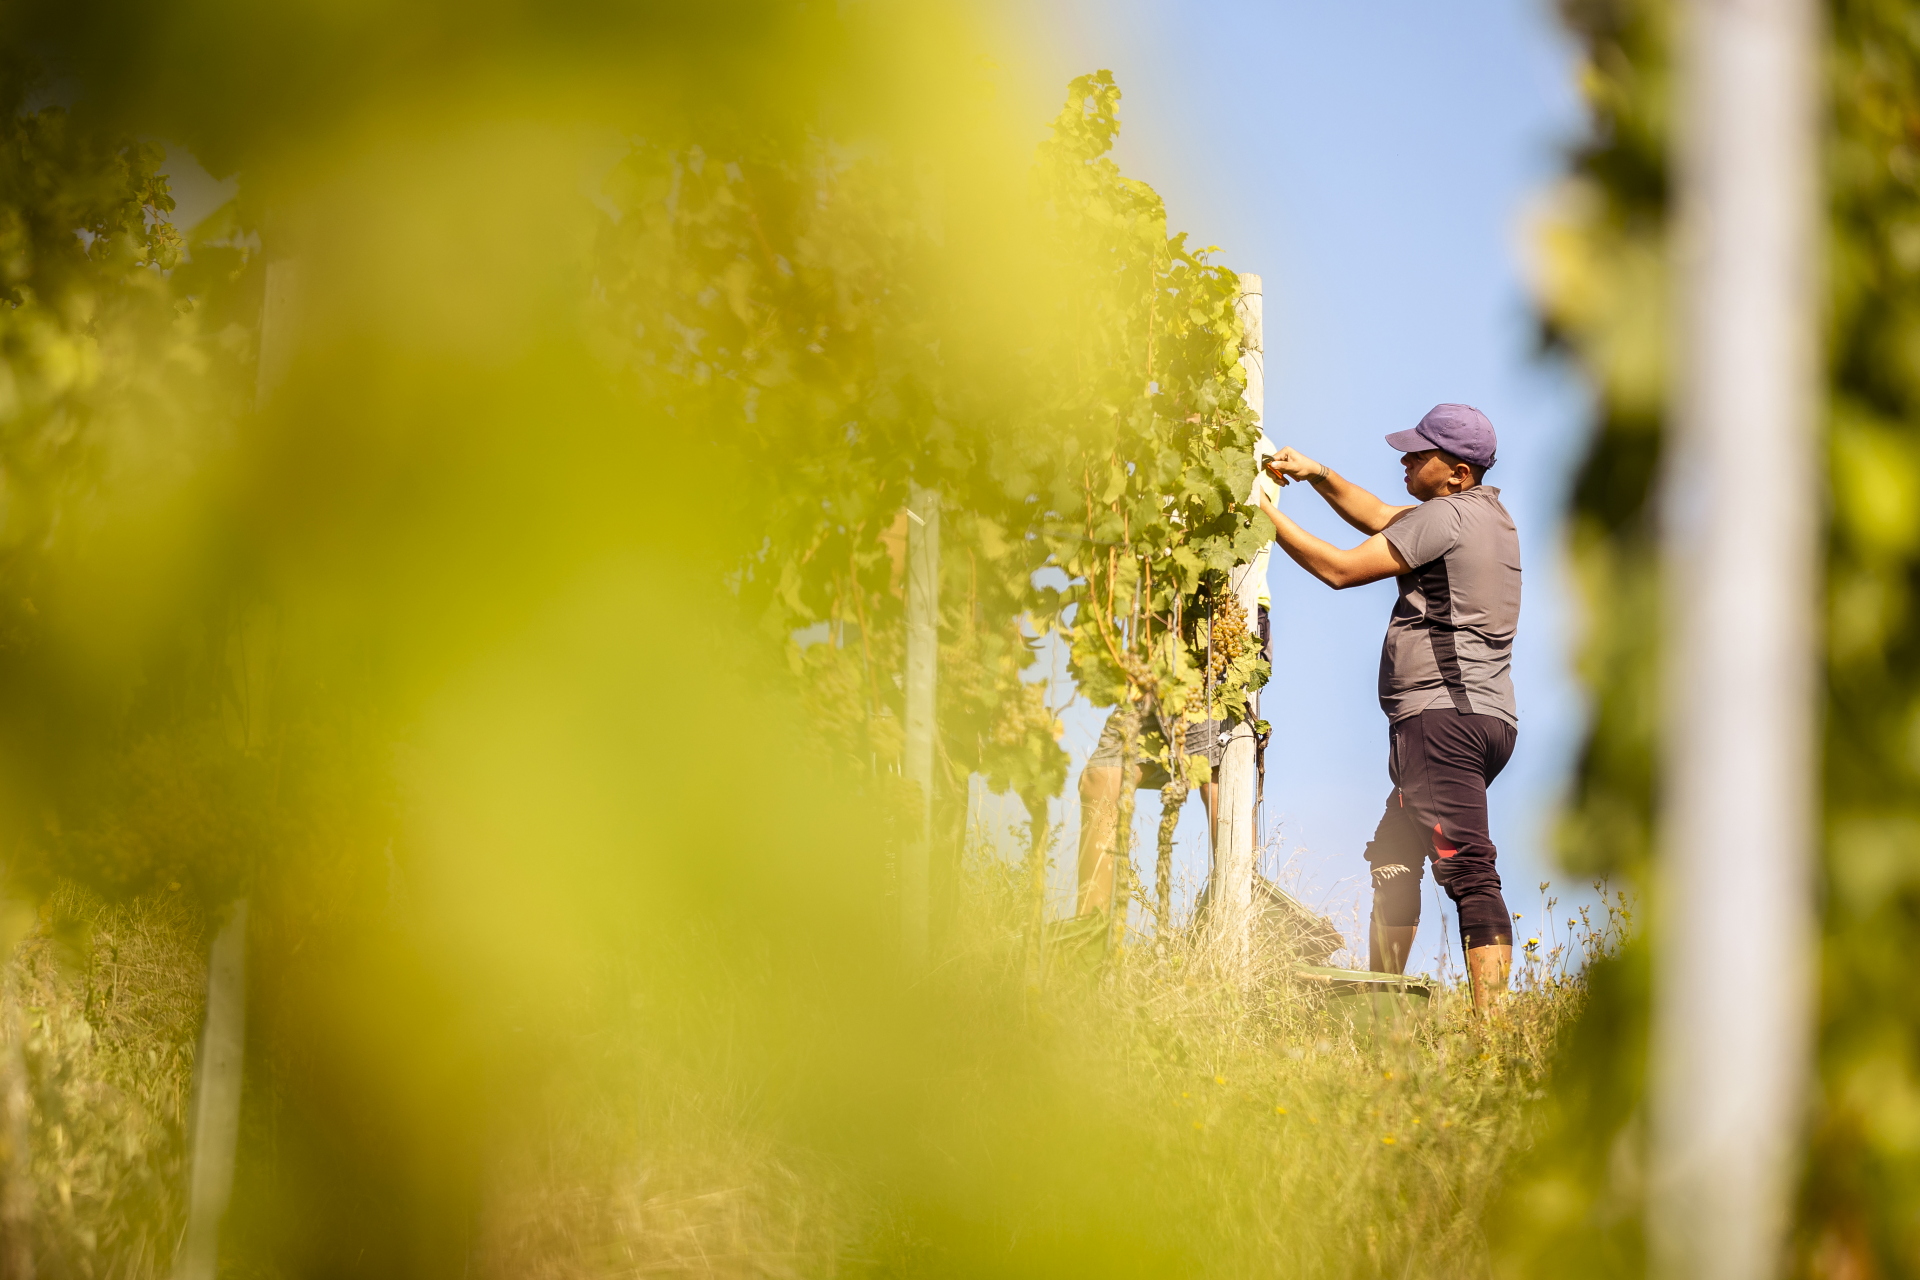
(1099, 809)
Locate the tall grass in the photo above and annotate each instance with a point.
(1283, 1135)
(104, 1004)
(1269, 1128)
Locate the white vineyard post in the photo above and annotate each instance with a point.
(220, 1068)
(1731, 1059)
(923, 662)
(1230, 895)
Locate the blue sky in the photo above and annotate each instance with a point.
(1375, 161)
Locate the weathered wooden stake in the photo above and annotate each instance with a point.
(923, 661)
(219, 1069)
(1730, 1060)
(1230, 893)
(216, 1098)
(16, 1130)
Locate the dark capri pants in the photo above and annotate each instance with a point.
(1441, 762)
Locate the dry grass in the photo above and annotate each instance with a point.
(723, 1206)
(108, 1007)
(1246, 1128)
(1273, 1133)
(1310, 1139)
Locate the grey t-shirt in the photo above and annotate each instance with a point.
(1450, 641)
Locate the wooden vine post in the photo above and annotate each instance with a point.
(16, 1125)
(1230, 894)
(218, 1070)
(923, 660)
(219, 1066)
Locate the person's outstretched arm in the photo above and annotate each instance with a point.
(1356, 506)
(1371, 561)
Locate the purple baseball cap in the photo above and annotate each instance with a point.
(1460, 429)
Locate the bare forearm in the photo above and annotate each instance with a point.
(1307, 551)
(1355, 505)
(1371, 561)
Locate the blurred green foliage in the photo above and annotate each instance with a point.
(1604, 302)
(479, 545)
(123, 363)
(1864, 1174)
(1574, 1204)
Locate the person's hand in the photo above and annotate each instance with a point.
(1290, 464)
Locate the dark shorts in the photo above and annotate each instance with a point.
(1441, 762)
(1207, 739)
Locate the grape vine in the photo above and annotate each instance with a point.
(1114, 448)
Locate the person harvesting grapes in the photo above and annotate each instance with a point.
(1445, 674)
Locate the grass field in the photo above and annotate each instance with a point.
(1147, 1111)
